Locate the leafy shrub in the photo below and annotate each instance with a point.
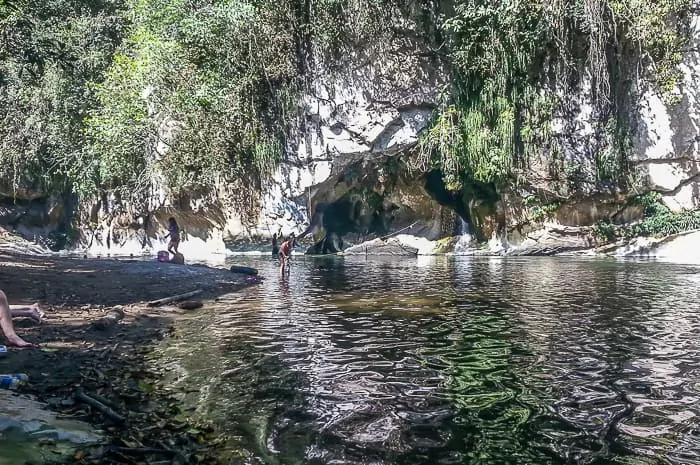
(543, 212)
(664, 224)
(659, 220)
(604, 231)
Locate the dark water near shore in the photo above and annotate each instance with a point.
(450, 361)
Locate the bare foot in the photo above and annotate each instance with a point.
(37, 314)
(17, 341)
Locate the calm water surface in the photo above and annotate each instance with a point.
(450, 361)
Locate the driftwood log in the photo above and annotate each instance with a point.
(99, 406)
(174, 298)
(110, 319)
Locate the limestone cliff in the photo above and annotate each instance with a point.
(347, 174)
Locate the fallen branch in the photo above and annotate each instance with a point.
(103, 400)
(398, 232)
(99, 406)
(109, 320)
(175, 298)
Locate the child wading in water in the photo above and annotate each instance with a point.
(174, 234)
(285, 251)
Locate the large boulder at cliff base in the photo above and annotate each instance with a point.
(391, 246)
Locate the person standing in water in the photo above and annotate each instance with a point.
(285, 252)
(174, 234)
(275, 247)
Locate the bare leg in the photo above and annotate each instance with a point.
(33, 311)
(7, 326)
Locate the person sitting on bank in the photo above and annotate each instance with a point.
(7, 312)
(174, 234)
(285, 252)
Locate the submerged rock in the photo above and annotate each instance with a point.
(27, 429)
(23, 416)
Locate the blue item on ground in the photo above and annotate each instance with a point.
(3, 351)
(13, 381)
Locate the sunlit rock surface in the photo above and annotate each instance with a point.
(26, 423)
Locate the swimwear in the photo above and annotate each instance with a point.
(174, 234)
(285, 249)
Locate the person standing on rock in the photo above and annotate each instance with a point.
(174, 234)
(8, 311)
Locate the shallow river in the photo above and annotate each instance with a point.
(450, 361)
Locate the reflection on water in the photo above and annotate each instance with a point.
(443, 360)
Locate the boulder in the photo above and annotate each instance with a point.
(391, 246)
(25, 425)
(553, 240)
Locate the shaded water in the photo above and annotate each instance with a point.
(450, 361)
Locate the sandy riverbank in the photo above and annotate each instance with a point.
(74, 354)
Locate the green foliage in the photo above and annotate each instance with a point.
(49, 52)
(193, 95)
(657, 29)
(604, 231)
(659, 220)
(499, 113)
(665, 224)
(531, 200)
(541, 213)
(494, 47)
(112, 95)
(575, 176)
(652, 204)
(109, 95)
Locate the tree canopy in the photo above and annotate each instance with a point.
(104, 95)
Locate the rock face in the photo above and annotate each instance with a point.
(553, 241)
(351, 126)
(667, 149)
(678, 248)
(375, 198)
(39, 216)
(351, 122)
(345, 178)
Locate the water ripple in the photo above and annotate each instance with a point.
(446, 361)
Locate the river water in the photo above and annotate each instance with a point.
(441, 360)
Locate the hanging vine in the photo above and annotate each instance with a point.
(504, 56)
